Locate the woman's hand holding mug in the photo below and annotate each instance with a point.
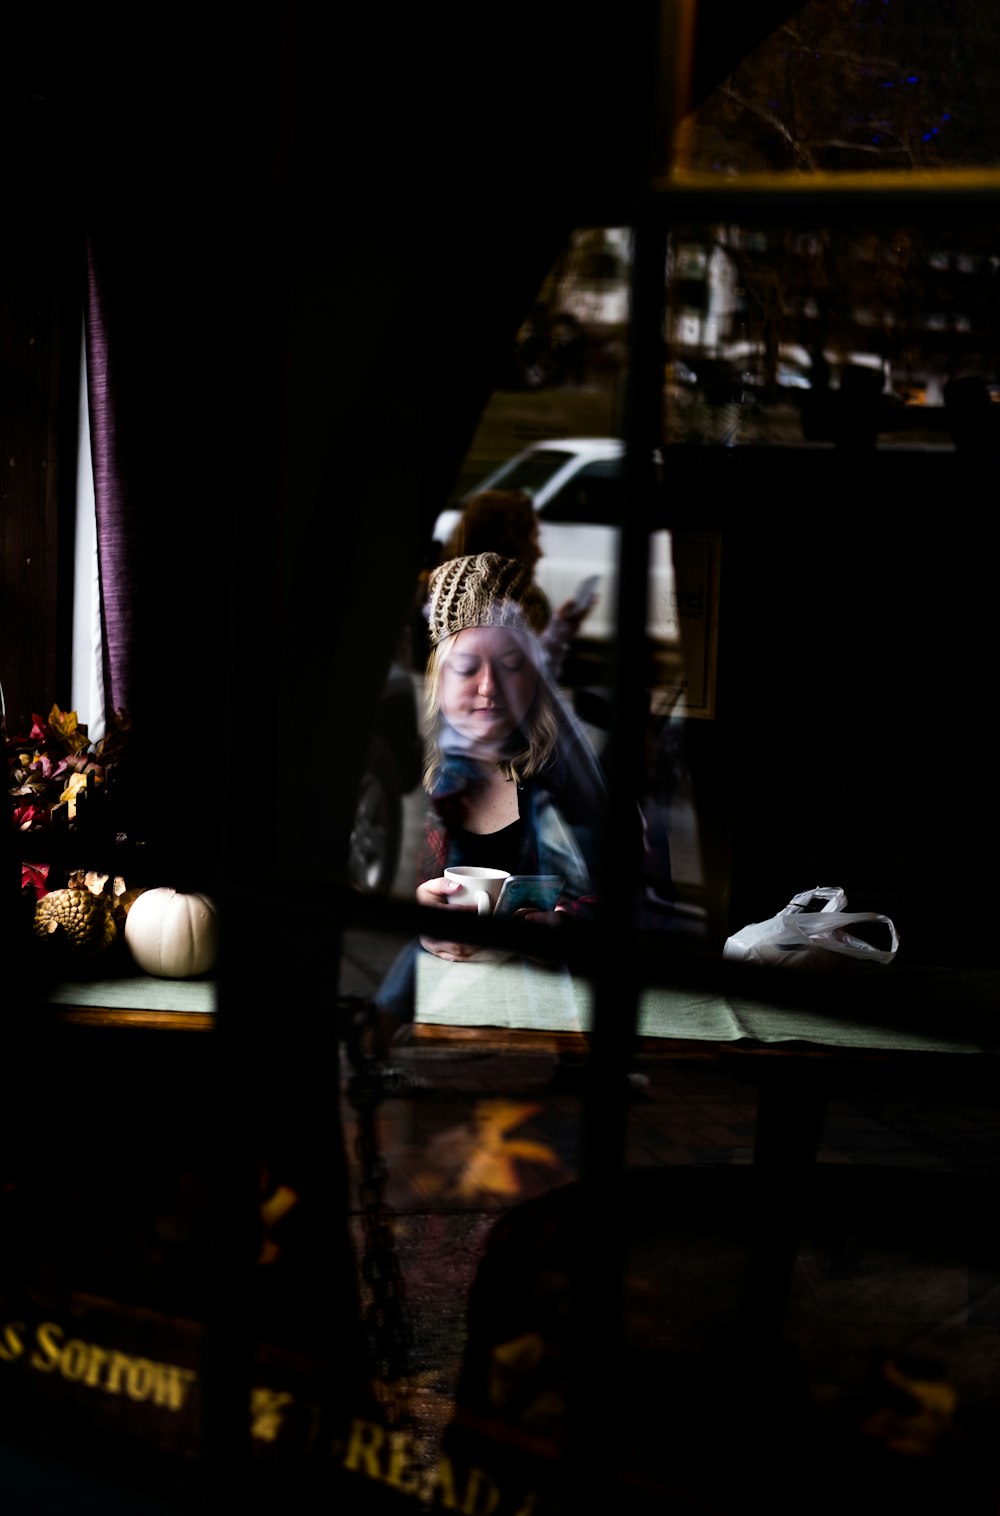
(464, 887)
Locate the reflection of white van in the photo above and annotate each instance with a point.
(575, 483)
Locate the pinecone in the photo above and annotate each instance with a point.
(76, 920)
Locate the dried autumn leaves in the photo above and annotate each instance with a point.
(50, 768)
(50, 771)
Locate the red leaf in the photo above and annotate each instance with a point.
(34, 876)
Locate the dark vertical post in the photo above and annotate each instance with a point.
(595, 1441)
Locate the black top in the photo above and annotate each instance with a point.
(492, 850)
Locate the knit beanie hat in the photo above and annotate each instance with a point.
(481, 590)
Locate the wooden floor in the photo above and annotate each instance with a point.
(489, 1127)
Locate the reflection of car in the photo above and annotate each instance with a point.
(721, 383)
(786, 377)
(911, 391)
(791, 378)
(392, 770)
(678, 372)
(574, 483)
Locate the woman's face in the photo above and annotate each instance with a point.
(487, 684)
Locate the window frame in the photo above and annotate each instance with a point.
(618, 979)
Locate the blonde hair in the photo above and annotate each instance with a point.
(535, 738)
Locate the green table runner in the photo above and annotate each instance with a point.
(951, 1012)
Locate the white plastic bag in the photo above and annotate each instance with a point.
(813, 931)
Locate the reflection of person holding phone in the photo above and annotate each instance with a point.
(511, 778)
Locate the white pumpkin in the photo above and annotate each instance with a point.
(172, 934)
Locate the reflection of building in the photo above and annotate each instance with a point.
(575, 331)
(593, 279)
(702, 295)
(786, 304)
(924, 308)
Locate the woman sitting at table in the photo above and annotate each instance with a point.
(512, 781)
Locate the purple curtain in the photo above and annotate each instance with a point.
(119, 544)
(161, 360)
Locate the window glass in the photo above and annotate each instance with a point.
(487, 1052)
(796, 334)
(788, 736)
(551, 431)
(867, 87)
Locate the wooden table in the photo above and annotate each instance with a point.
(795, 1081)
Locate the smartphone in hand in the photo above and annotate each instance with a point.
(583, 595)
(529, 892)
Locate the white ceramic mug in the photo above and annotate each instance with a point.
(479, 887)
